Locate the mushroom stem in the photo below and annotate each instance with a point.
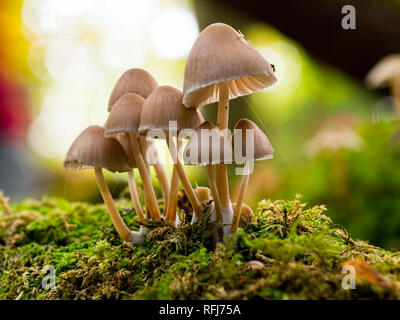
(242, 192)
(221, 174)
(149, 194)
(119, 224)
(183, 177)
(396, 95)
(214, 192)
(163, 180)
(134, 196)
(161, 174)
(173, 196)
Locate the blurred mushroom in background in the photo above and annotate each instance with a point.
(334, 134)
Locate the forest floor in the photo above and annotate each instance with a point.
(288, 252)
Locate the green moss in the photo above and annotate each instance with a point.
(300, 249)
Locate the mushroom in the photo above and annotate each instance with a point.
(387, 73)
(92, 150)
(141, 82)
(207, 147)
(164, 105)
(134, 80)
(246, 215)
(124, 118)
(259, 149)
(221, 66)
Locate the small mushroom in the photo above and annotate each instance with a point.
(163, 106)
(124, 118)
(221, 66)
(209, 146)
(256, 265)
(92, 150)
(134, 80)
(387, 73)
(262, 150)
(246, 215)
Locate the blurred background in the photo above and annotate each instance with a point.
(335, 140)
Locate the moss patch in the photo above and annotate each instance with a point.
(298, 251)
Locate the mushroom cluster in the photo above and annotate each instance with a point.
(221, 66)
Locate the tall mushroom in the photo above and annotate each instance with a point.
(162, 108)
(124, 118)
(141, 82)
(221, 66)
(206, 147)
(92, 150)
(387, 73)
(249, 143)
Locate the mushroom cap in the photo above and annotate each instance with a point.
(246, 215)
(384, 71)
(91, 149)
(203, 194)
(221, 54)
(262, 147)
(125, 115)
(149, 150)
(125, 142)
(218, 152)
(134, 80)
(163, 105)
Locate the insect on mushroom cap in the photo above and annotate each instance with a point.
(221, 54)
(92, 150)
(163, 105)
(134, 80)
(262, 147)
(384, 71)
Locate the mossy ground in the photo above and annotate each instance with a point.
(300, 253)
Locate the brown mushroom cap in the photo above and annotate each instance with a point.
(164, 104)
(262, 147)
(221, 54)
(92, 150)
(126, 143)
(246, 215)
(125, 115)
(216, 154)
(384, 71)
(134, 80)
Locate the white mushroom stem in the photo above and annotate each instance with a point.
(161, 174)
(396, 95)
(149, 194)
(134, 196)
(119, 224)
(240, 199)
(182, 176)
(221, 174)
(214, 192)
(173, 196)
